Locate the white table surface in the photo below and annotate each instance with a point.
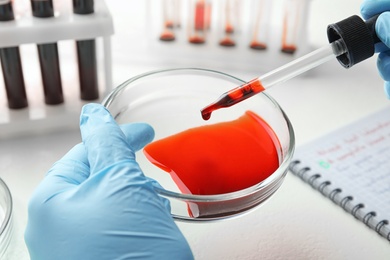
(298, 222)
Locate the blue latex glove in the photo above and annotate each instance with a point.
(368, 9)
(95, 203)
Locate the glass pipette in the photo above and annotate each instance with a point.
(276, 76)
(351, 41)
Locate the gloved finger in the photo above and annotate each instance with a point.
(103, 139)
(381, 47)
(382, 28)
(383, 64)
(157, 186)
(73, 168)
(369, 8)
(387, 89)
(137, 135)
(62, 177)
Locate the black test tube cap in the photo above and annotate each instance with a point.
(12, 66)
(6, 11)
(42, 8)
(48, 57)
(359, 37)
(86, 56)
(83, 6)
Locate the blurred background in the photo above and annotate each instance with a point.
(297, 223)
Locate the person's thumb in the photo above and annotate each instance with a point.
(104, 141)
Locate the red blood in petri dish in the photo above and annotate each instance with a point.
(218, 158)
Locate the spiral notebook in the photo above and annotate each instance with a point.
(351, 167)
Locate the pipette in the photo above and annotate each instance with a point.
(352, 40)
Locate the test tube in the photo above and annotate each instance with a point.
(169, 20)
(11, 65)
(48, 57)
(261, 10)
(177, 13)
(291, 22)
(86, 56)
(199, 21)
(229, 22)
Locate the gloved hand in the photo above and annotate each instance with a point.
(368, 9)
(95, 203)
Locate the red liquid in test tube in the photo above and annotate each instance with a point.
(261, 10)
(199, 20)
(291, 22)
(170, 20)
(229, 19)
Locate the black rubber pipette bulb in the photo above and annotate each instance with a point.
(359, 38)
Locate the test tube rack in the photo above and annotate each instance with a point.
(240, 56)
(64, 28)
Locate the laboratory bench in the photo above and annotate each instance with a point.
(298, 222)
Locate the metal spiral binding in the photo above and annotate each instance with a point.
(313, 178)
(333, 193)
(323, 185)
(302, 172)
(356, 208)
(382, 227)
(344, 202)
(368, 216)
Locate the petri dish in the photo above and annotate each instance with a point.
(170, 101)
(5, 217)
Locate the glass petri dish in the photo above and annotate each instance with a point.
(5, 218)
(170, 101)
